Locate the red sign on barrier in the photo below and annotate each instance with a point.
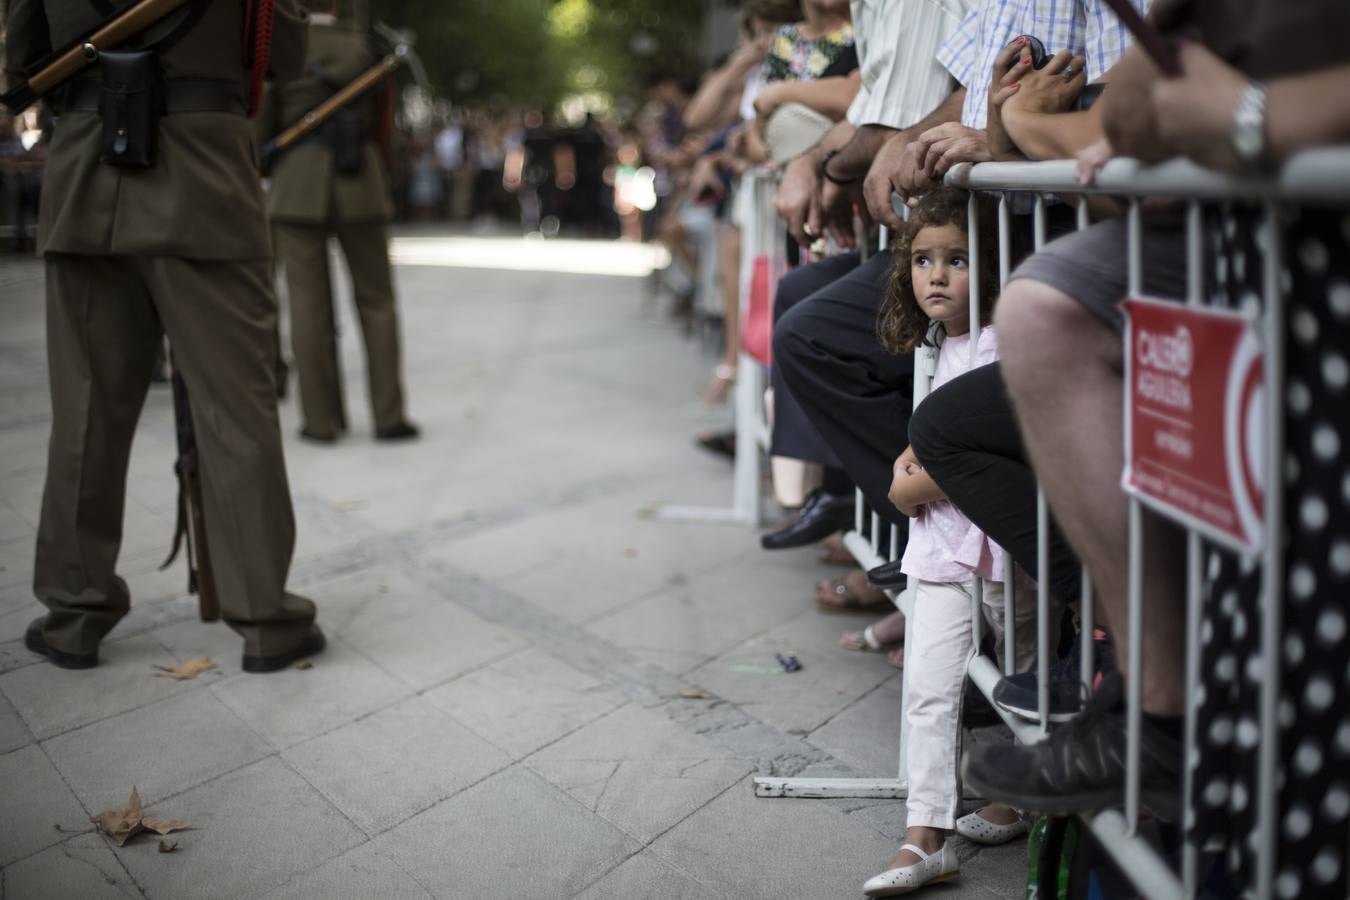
(1194, 418)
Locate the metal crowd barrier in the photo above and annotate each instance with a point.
(762, 235)
(1314, 178)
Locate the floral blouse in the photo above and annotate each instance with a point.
(795, 58)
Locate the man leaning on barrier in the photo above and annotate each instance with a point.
(1274, 79)
(177, 244)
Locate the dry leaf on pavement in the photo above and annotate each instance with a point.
(164, 826)
(190, 669)
(168, 846)
(124, 822)
(121, 822)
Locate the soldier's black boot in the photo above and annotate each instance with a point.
(33, 640)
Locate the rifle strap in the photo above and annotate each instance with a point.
(258, 17)
(180, 527)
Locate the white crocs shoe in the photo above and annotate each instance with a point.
(930, 868)
(975, 827)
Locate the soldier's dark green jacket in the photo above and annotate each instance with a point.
(203, 200)
(305, 189)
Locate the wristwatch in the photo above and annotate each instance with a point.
(1249, 127)
(825, 170)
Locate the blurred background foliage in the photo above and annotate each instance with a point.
(550, 54)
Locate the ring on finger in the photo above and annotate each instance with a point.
(1068, 73)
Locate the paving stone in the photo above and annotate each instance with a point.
(646, 875)
(423, 638)
(82, 867)
(252, 830)
(684, 626)
(513, 835)
(525, 701)
(124, 680)
(362, 872)
(866, 735)
(783, 848)
(195, 639)
(33, 801)
(13, 527)
(297, 704)
(830, 679)
(390, 765)
(639, 770)
(162, 749)
(13, 733)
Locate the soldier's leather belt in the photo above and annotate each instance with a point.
(181, 95)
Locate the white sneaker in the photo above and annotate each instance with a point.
(930, 868)
(975, 827)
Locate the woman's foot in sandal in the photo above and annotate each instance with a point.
(878, 636)
(851, 593)
(834, 553)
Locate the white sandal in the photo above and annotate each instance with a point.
(939, 865)
(977, 828)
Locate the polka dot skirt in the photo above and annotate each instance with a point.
(1313, 810)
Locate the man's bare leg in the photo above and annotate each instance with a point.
(1064, 371)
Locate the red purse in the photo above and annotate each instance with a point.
(757, 322)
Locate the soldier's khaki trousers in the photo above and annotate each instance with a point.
(104, 319)
(303, 251)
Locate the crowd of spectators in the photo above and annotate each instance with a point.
(22, 153)
(859, 110)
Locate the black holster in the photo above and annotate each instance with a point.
(131, 102)
(345, 134)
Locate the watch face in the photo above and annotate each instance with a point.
(1247, 142)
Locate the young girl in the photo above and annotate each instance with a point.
(929, 303)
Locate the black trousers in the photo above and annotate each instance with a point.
(967, 438)
(857, 395)
(794, 434)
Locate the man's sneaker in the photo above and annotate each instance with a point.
(1017, 694)
(1081, 766)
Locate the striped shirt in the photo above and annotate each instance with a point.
(897, 42)
(1085, 27)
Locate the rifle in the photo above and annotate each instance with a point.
(325, 110)
(64, 64)
(191, 520)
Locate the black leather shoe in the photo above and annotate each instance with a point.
(309, 645)
(317, 437)
(33, 640)
(887, 575)
(403, 431)
(821, 516)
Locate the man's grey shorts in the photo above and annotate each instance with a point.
(1092, 265)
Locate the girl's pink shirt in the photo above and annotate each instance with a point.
(943, 544)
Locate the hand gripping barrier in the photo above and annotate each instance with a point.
(1312, 178)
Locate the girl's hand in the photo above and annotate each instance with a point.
(906, 466)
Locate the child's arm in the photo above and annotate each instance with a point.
(912, 487)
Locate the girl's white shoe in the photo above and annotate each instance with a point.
(931, 867)
(975, 827)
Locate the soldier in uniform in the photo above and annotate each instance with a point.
(132, 253)
(332, 183)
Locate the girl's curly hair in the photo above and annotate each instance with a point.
(902, 323)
